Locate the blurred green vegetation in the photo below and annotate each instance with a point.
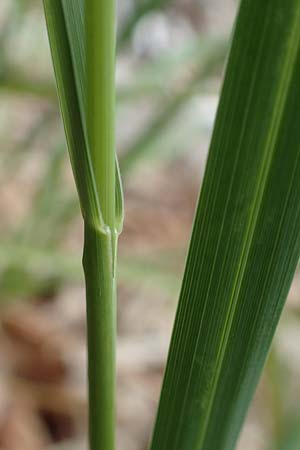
(36, 259)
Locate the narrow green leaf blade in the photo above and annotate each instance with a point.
(246, 238)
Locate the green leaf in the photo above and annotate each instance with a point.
(65, 23)
(245, 243)
(70, 108)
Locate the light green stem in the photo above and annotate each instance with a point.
(88, 107)
(100, 50)
(100, 244)
(101, 327)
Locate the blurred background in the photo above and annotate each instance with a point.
(171, 55)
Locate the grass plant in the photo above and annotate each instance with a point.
(245, 243)
(87, 96)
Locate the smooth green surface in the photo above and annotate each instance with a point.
(65, 23)
(100, 37)
(84, 64)
(101, 319)
(75, 28)
(99, 259)
(74, 124)
(246, 238)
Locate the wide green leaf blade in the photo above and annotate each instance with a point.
(245, 243)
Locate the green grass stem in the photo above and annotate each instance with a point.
(82, 40)
(101, 326)
(100, 63)
(100, 244)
